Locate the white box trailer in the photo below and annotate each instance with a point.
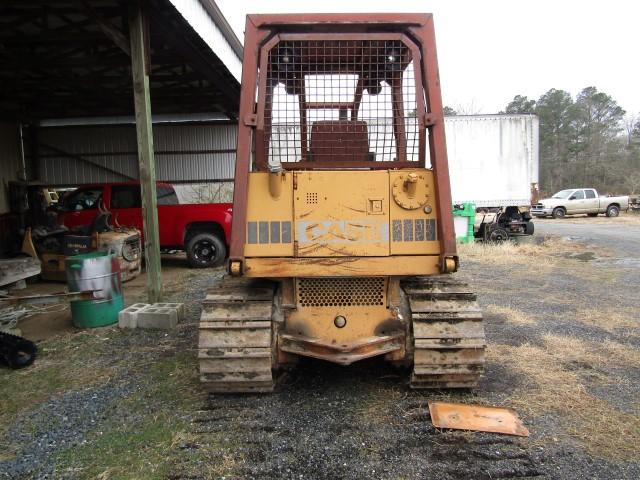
(493, 159)
(493, 163)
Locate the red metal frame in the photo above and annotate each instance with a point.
(416, 31)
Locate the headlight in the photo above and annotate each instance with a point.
(130, 251)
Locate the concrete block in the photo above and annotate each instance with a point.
(178, 307)
(156, 317)
(128, 318)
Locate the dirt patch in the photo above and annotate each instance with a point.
(56, 319)
(583, 257)
(42, 326)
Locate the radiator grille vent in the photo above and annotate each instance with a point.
(340, 292)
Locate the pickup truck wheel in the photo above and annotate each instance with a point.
(205, 250)
(559, 212)
(613, 211)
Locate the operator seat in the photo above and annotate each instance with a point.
(340, 140)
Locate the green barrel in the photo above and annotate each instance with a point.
(464, 216)
(98, 271)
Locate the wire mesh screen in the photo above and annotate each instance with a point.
(341, 101)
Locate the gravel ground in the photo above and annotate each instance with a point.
(325, 421)
(600, 232)
(58, 424)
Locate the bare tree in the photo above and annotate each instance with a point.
(630, 120)
(472, 107)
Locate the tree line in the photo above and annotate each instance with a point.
(588, 141)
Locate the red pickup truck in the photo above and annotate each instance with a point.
(202, 230)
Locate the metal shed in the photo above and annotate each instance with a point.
(81, 62)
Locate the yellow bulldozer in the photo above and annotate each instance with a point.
(342, 240)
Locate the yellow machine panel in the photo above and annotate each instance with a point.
(269, 216)
(342, 213)
(361, 302)
(404, 265)
(413, 231)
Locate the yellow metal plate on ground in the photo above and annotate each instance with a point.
(476, 417)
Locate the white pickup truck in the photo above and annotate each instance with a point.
(579, 201)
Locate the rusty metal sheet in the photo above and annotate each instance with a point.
(476, 417)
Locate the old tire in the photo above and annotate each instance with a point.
(205, 250)
(497, 235)
(613, 211)
(559, 212)
(529, 228)
(16, 352)
(592, 214)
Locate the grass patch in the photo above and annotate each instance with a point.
(64, 363)
(608, 319)
(142, 436)
(512, 315)
(138, 450)
(607, 353)
(539, 255)
(549, 388)
(511, 253)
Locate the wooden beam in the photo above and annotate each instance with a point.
(139, 37)
(110, 30)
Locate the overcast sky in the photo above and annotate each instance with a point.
(491, 50)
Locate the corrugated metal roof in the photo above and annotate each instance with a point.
(184, 153)
(211, 32)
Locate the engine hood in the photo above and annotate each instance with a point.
(552, 202)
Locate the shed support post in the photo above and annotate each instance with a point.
(139, 38)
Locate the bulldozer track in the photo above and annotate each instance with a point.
(235, 337)
(448, 333)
